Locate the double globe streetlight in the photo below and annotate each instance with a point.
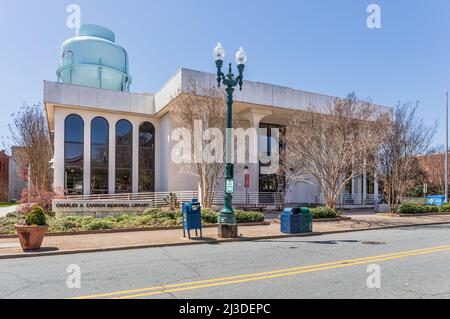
(227, 219)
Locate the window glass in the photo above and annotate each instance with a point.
(99, 155)
(124, 156)
(146, 157)
(73, 154)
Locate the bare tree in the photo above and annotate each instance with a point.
(207, 109)
(31, 137)
(397, 166)
(334, 145)
(432, 166)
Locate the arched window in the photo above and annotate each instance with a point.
(99, 155)
(73, 154)
(124, 157)
(146, 157)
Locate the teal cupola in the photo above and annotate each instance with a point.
(92, 58)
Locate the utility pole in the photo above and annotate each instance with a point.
(446, 149)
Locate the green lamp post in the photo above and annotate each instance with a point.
(227, 219)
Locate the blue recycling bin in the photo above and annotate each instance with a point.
(192, 218)
(437, 200)
(296, 221)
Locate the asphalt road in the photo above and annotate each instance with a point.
(413, 263)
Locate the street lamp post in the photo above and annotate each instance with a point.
(227, 219)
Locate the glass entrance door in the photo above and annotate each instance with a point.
(270, 186)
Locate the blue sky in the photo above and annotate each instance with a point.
(322, 46)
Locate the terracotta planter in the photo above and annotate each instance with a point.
(31, 237)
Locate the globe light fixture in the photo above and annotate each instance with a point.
(241, 57)
(219, 52)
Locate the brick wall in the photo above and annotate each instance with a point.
(4, 176)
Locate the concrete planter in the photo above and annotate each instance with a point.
(382, 208)
(31, 237)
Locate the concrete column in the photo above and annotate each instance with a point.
(87, 156)
(112, 157)
(135, 180)
(375, 191)
(353, 186)
(58, 156)
(254, 117)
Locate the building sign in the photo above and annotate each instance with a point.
(247, 181)
(62, 207)
(97, 205)
(229, 189)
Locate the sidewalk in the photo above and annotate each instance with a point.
(6, 210)
(70, 244)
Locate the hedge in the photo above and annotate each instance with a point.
(324, 212)
(411, 208)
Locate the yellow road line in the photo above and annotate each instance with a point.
(264, 275)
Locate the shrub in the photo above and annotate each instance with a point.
(445, 208)
(324, 212)
(146, 220)
(7, 225)
(152, 211)
(159, 213)
(248, 217)
(431, 209)
(411, 208)
(63, 224)
(100, 224)
(209, 216)
(39, 197)
(171, 201)
(36, 217)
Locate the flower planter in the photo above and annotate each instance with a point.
(31, 237)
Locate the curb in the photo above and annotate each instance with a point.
(214, 242)
(419, 215)
(119, 248)
(324, 220)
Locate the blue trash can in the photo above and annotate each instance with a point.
(291, 221)
(296, 221)
(192, 218)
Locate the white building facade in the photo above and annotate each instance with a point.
(110, 142)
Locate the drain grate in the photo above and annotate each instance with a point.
(373, 242)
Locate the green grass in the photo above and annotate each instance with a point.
(8, 204)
